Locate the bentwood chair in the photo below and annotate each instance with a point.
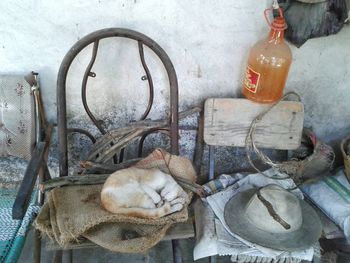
(94, 41)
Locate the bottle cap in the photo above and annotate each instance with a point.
(279, 23)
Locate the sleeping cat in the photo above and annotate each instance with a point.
(145, 193)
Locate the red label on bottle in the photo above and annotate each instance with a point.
(251, 80)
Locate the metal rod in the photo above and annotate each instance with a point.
(142, 140)
(87, 74)
(37, 247)
(198, 153)
(67, 256)
(177, 255)
(83, 87)
(82, 131)
(211, 177)
(212, 259)
(47, 175)
(149, 79)
(37, 117)
(211, 162)
(121, 156)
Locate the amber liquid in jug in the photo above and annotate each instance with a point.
(268, 65)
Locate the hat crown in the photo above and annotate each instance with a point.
(285, 204)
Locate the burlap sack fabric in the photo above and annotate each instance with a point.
(74, 212)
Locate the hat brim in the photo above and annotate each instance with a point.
(308, 234)
(312, 1)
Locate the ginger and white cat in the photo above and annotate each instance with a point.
(145, 193)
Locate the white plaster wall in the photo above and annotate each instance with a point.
(208, 42)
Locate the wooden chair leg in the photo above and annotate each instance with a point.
(212, 259)
(37, 247)
(177, 255)
(57, 257)
(61, 256)
(67, 256)
(211, 163)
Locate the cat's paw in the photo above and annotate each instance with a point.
(179, 200)
(171, 208)
(176, 207)
(171, 192)
(157, 199)
(184, 196)
(160, 203)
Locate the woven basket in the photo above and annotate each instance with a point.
(343, 147)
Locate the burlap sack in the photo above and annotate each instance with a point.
(73, 212)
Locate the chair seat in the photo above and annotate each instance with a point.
(13, 232)
(182, 230)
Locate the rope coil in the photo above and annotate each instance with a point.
(250, 139)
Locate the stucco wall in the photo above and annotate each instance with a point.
(208, 42)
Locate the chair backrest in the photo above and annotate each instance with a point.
(227, 122)
(17, 117)
(94, 39)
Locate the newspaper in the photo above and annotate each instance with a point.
(243, 253)
(214, 236)
(206, 238)
(332, 196)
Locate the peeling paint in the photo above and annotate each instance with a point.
(12, 170)
(207, 42)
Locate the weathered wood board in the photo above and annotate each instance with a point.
(227, 122)
(177, 231)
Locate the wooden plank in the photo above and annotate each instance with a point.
(24, 194)
(177, 231)
(180, 231)
(227, 121)
(25, 190)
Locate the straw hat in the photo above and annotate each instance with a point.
(273, 217)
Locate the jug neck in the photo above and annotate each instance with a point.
(276, 36)
(277, 30)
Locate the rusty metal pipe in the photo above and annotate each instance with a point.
(83, 87)
(82, 131)
(143, 138)
(149, 79)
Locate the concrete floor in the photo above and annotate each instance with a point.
(159, 254)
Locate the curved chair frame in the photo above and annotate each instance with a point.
(94, 38)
